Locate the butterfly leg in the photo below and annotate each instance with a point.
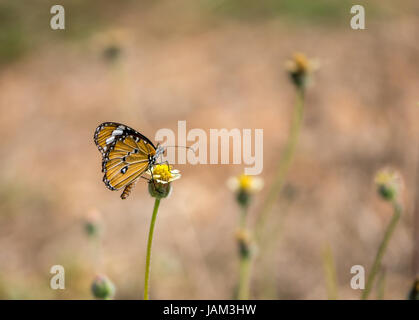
(145, 178)
(153, 181)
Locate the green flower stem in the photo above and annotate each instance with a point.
(330, 272)
(245, 262)
(244, 280)
(381, 283)
(381, 250)
(285, 161)
(243, 217)
(149, 243)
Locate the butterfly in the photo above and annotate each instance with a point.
(126, 155)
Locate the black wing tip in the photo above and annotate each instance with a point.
(108, 184)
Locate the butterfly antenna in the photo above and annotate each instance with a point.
(186, 147)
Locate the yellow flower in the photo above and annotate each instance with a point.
(245, 183)
(299, 63)
(244, 186)
(244, 240)
(243, 235)
(389, 184)
(162, 175)
(300, 68)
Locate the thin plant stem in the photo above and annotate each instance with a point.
(245, 261)
(284, 162)
(415, 255)
(243, 217)
(98, 251)
(330, 272)
(381, 250)
(381, 281)
(244, 281)
(149, 244)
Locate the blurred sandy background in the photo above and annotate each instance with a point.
(215, 64)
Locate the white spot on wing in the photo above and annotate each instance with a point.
(117, 132)
(110, 140)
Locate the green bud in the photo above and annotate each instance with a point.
(159, 190)
(93, 223)
(92, 229)
(389, 184)
(300, 69)
(244, 242)
(414, 292)
(111, 53)
(243, 198)
(103, 288)
(387, 192)
(300, 79)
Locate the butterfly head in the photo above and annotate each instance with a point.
(159, 152)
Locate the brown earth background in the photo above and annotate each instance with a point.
(215, 64)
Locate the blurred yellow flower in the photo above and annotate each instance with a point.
(245, 183)
(244, 186)
(243, 235)
(298, 63)
(389, 184)
(300, 68)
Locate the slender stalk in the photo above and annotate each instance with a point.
(381, 283)
(98, 252)
(245, 261)
(243, 217)
(330, 272)
(149, 243)
(244, 280)
(285, 161)
(381, 250)
(415, 255)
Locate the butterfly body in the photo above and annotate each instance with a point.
(126, 155)
(128, 189)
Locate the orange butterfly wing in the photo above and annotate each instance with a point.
(126, 154)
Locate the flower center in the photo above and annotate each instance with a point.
(163, 171)
(301, 62)
(245, 182)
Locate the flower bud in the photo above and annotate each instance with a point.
(103, 288)
(161, 177)
(389, 184)
(244, 241)
(244, 186)
(414, 292)
(92, 223)
(111, 53)
(243, 198)
(300, 69)
(159, 190)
